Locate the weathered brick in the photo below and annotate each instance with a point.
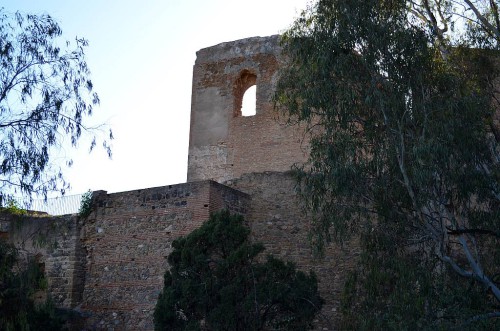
(223, 144)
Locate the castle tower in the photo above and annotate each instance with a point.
(223, 143)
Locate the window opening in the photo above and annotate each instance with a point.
(245, 94)
(248, 106)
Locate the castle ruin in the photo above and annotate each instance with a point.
(109, 266)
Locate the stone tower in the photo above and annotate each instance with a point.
(223, 143)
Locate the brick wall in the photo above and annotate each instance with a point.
(55, 241)
(128, 238)
(110, 266)
(276, 219)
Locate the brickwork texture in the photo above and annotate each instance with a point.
(223, 143)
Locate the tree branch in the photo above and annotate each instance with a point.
(486, 25)
(477, 270)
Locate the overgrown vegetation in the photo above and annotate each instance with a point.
(216, 282)
(18, 285)
(404, 152)
(85, 204)
(12, 207)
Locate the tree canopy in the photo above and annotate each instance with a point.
(46, 96)
(404, 135)
(216, 282)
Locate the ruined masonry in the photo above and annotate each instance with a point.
(109, 267)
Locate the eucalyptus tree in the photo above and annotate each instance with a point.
(46, 97)
(402, 128)
(474, 22)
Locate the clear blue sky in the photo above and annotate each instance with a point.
(141, 55)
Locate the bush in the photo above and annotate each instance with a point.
(85, 204)
(216, 283)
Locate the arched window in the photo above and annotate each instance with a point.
(248, 106)
(245, 92)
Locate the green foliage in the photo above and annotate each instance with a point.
(12, 207)
(85, 204)
(216, 283)
(403, 145)
(17, 308)
(45, 98)
(397, 289)
(379, 99)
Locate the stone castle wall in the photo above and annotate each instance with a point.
(109, 267)
(276, 219)
(54, 242)
(128, 238)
